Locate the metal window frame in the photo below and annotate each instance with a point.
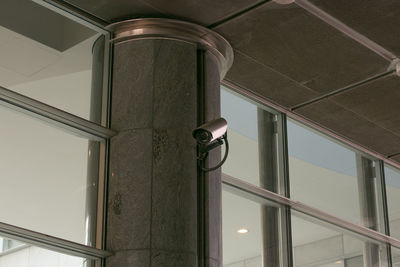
(258, 194)
(254, 193)
(75, 125)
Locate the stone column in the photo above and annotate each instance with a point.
(163, 211)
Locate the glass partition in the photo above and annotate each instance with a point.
(392, 177)
(255, 139)
(338, 186)
(321, 244)
(323, 174)
(249, 233)
(25, 255)
(241, 115)
(48, 57)
(44, 178)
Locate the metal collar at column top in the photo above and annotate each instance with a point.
(147, 28)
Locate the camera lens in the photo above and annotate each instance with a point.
(203, 136)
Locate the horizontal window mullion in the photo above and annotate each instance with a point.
(52, 243)
(253, 191)
(54, 115)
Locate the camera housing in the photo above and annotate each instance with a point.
(209, 136)
(210, 131)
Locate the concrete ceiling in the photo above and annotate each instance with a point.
(296, 60)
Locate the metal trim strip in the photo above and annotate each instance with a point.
(233, 182)
(52, 243)
(58, 117)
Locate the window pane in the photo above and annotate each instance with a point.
(318, 245)
(26, 255)
(239, 213)
(395, 257)
(243, 228)
(46, 56)
(242, 162)
(44, 184)
(392, 177)
(253, 142)
(323, 174)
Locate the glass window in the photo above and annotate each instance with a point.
(8, 244)
(240, 214)
(241, 115)
(44, 177)
(392, 177)
(253, 138)
(319, 244)
(48, 57)
(323, 174)
(250, 230)
(26, 255)
(395, 257)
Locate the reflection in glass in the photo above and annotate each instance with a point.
(318, 246)
(46, 56)
(395, 257)
(247, 238)
(25, 255)
(242, 162)
(43, 177)
(392, 178)
(323, 174)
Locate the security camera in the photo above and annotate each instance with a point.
(210, 131)
(209, 136)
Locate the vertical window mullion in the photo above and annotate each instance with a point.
(285, 213)
(382, 206)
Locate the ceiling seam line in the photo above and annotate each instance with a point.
(74, 12)
(345, 29)
(394, 155)
(238, 14)
(275, 71)
(343, 89)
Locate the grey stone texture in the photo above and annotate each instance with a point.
(129, 258)
(132, 93)
(213, 206)
(152, 204)
(129, 194)
(162, 258)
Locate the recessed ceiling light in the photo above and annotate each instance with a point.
(243, 231)
(338, 262)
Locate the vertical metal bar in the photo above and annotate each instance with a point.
(368, 209)
(284, 187)
(268, 168)
(201, 212)
(384, 226)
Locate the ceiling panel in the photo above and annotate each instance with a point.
(298, 45)
(262, 80)
(379, 101)
(379, 20)
(41, 24)
(348, 124)
(396, 158)
(116, 10)
(204, 12)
